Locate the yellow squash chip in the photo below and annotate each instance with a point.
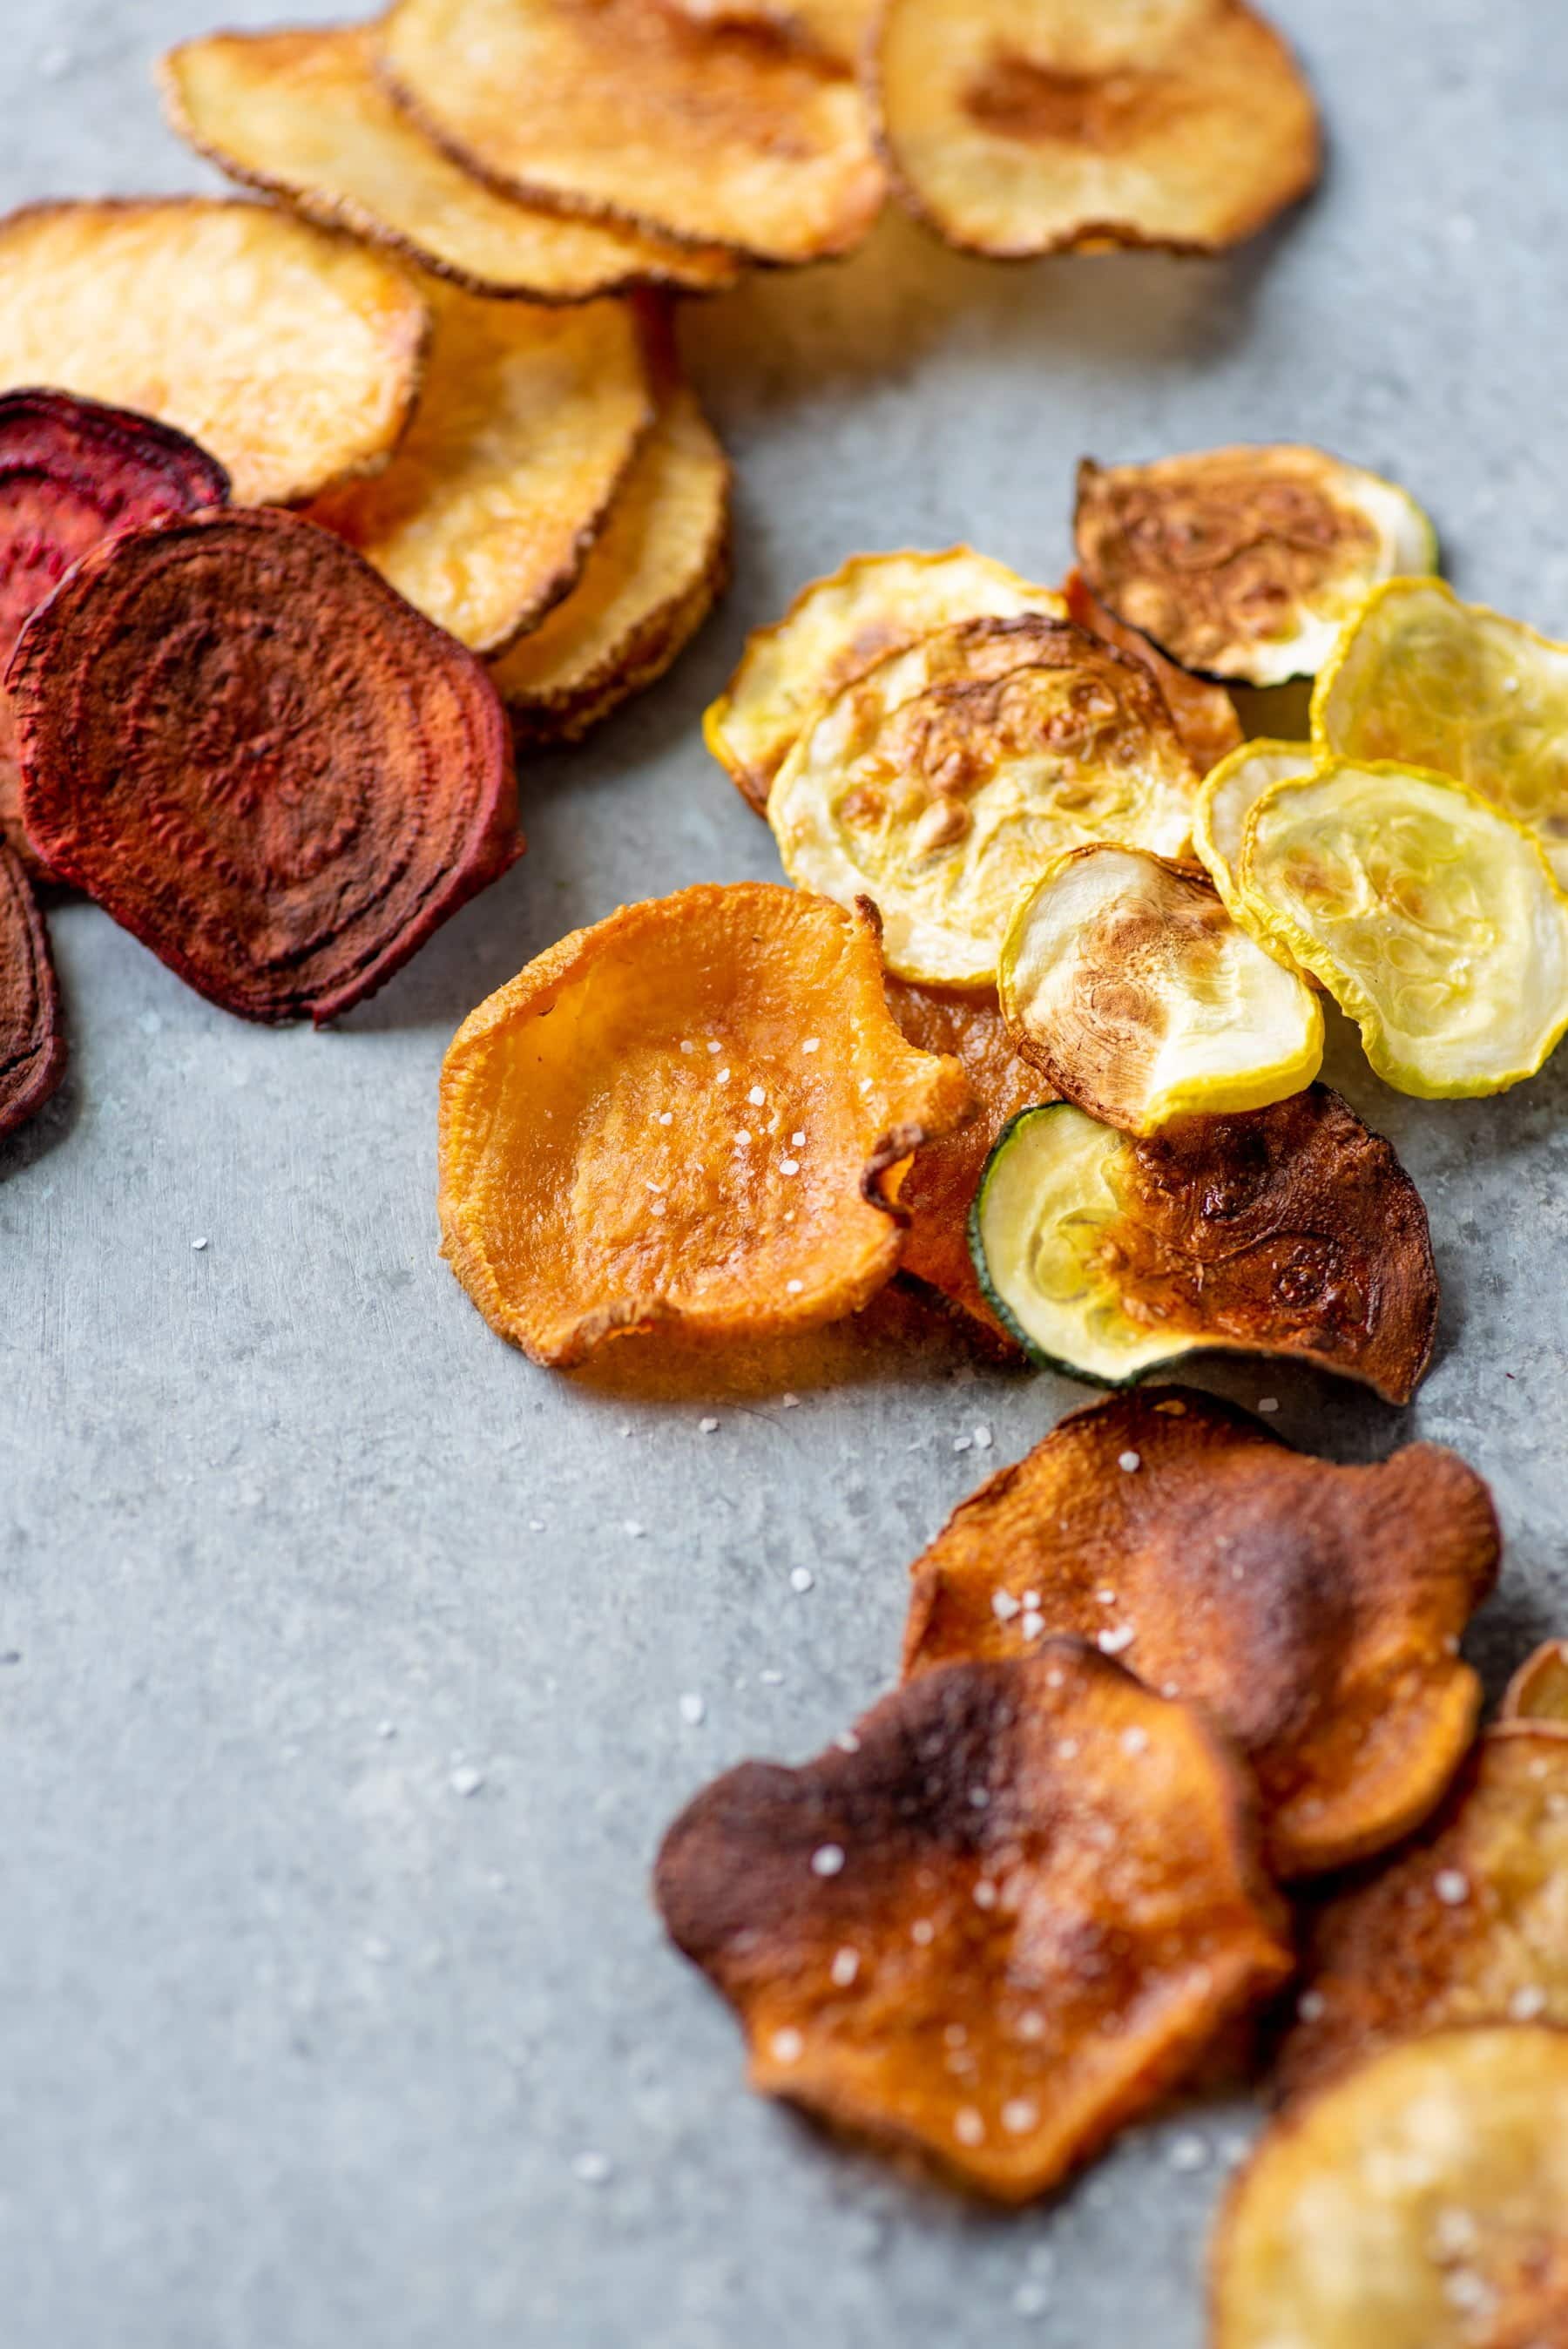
(303, 116)
(1538, 1693)
(835, 632)
(530, 421)
(1421, 2203)
(1230, 792)
(1014, 128)
(945, 781)
(748, 135)
(1424, 680)
(694, 1115)
(293, 356)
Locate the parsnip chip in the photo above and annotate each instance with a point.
(1312, 1611)
(1430, 916)
(1127, 984)
(1423, 680)
(1290, 1230)
(1470, 1926)
(303, 116)
(1538, 1693)
(836, 632)
(292, 355)
(1230, 792)
(32, 1037)
(692, 1115)
(1014, 128)
(1205, 715)
(746, 134)
(1245, 563)
(998, 1927)
(949, 776)
(531, 419)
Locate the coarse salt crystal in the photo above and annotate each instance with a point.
(798, 1141)
(1019, 2114)
(1311, 2006)
(801, 1578)
(466, 1780)
(667, 1117)
(1135, 1740)
(713, 1044)
(709, 1426)
(1451, 1886)
(811, 1044)
(922, 1932)
(1527, 2003)
(846, 1965)
(693, 1709)
(756, 1097)
(787, 2046)
(788, 1166)
(743, 1137)
(967, 2125)
(1033, 1624)
(634, 1531)
(982, 1438)
(1268, 1403)
(985, 1893)
(1114, 1643)
(1003, 1606)
(962, 1442)
(793, 1288)
(790, 1402)
(1128, 1461)
(1188, 2152)
(847, 1742)
(1067, 1747)
(828, 1860)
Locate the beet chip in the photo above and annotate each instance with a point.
(260, 760)
(1000, 1924)
(32, 1046)
(1313, 1611)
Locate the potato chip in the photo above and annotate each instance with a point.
(750, 135)
(1470, 1926)
(1538, 1693)
(1000, 1925)
(292, 355)
(32, 1035)
(950, 776)
(1230, 792)
(838, 26)
(1127, 984)
(1289, 1230)
(1312, 1611)
(263, 764)
(1205, 715)
(836, 632)
(1423, 680)
(692, 1116)
(531, 420)
(1015, 130)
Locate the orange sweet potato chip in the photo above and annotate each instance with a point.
(1205, 715)
(1538, 1693)
(32, 1041)
(1313, 1611)
(693, 1115)
(1000, 1925)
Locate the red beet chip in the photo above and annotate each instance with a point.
(32, 1042)
(260, 760)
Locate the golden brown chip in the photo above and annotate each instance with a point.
(292, 355)
(1205, 715)
(694, 1115)
(999, 1926)
(1538, 1693)
(1470, 1926)
(748, 135)
(1014, 128)
(1313, 1611)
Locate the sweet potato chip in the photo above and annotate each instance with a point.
(1421, 2203)
(303, 116)
(260, 760)
(1205, 715)
(1290, 1230)
(531, 419)
(1312, 1611)
(999, 1927)
(1016, 129)
(1470, 1926)
(835, 633)
(293, 356)
(691, 1116)
(1245, 563)
(944, 783)
(1538, 1693)
(746, 134)
(32, 1039)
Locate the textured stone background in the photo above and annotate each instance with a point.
(299, 2045)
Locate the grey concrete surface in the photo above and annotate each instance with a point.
(339, 1708)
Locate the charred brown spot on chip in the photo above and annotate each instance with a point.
(1205, 715)
(31, 1034)
(1019, 1909)
(1538, 1693)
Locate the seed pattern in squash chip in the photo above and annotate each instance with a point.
(1205, 715)
(694, 1116)
(1245, 563)
(258, 758)
(998, 1927)
(1417, 2203)
(1015, 130)
(835, 632)
(1290, 1230)
(293, 356)
(1539, 1690)
(748, 135)
(1313, 1611)
(32, 1036)
(944, 783)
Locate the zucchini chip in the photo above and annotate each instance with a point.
(1430, 917)
(835, 633)
(303, 116)
(1466, 1927)
(1015, 130)
(1290, 1230)
(1423, 680)
(1000, 1925)
(1184, 1538)
(1205, 715)
(1129, 988)
(945, 781)
(1418, 2203)
(1230, 790)
(1539, 1689)
(293, 356)
(749, 135)
(31, 1034)
(1245, 563)
(694, 1115)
